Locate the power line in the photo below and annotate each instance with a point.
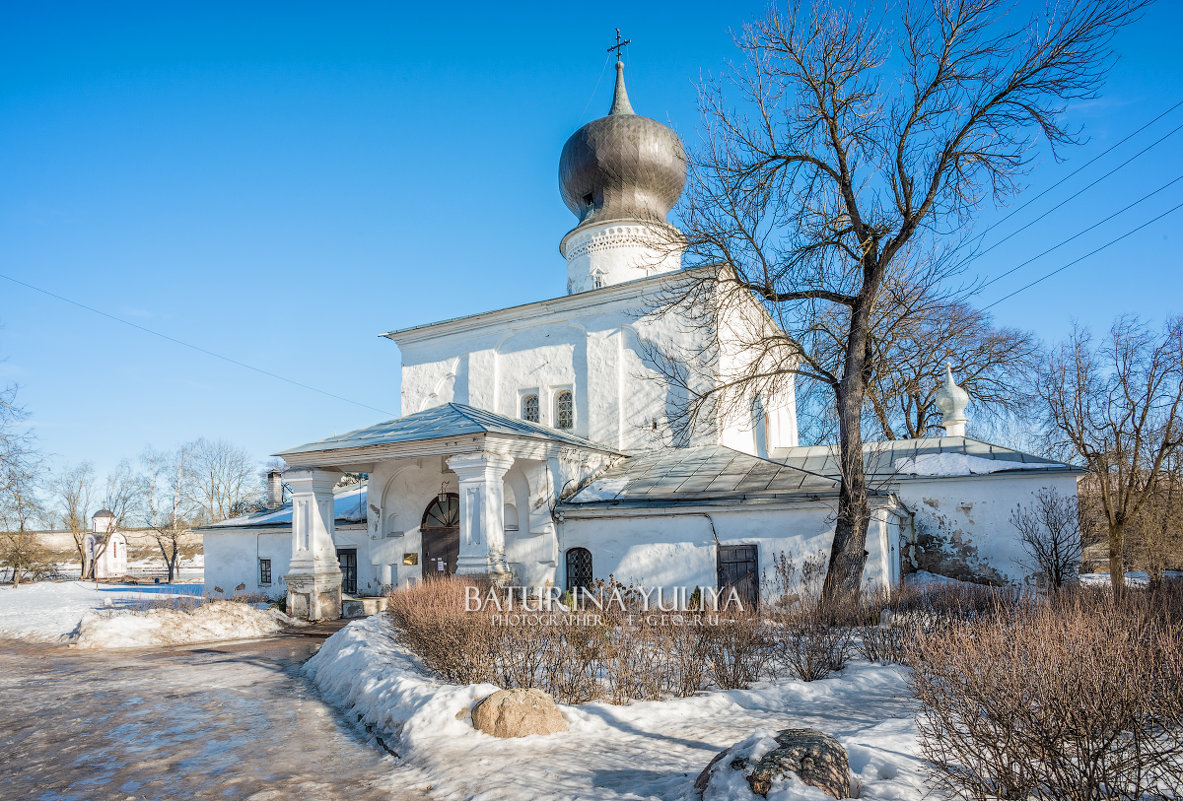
(1087, 164)
(1078, 234)
(1111, 242)
(1078, 193)
(191, 346)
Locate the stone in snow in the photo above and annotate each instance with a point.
(517, 713)
(816, 758)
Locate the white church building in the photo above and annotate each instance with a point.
(536, 445)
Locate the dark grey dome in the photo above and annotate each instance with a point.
(622, 167)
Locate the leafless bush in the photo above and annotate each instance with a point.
(737, 650)
(1077, 699)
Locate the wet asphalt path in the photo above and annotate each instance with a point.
(229, 721)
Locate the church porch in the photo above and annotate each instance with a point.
(451, 490)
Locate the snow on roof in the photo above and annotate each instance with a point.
(349, 504)
(698, 475)
(440, 422)
(924, 457)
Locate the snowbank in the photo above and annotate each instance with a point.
(51, 611)
(212, 622)
(651, 749)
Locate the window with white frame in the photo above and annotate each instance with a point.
(564, 409)
(530, 410)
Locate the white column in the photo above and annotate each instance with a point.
(314, 576)
(482, 512)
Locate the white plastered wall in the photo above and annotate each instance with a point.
(964, 523)
(677, 548)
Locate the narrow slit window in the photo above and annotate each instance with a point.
(564, 409)
(530, 408)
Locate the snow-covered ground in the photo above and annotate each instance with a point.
(218, 621)
(51, 611)
(1132, 578)
(643, 750)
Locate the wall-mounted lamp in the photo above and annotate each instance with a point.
(443, 496)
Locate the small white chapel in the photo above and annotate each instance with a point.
(536, 443)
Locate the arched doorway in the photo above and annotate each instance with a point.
(440, 531)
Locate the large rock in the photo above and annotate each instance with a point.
(517, 713)
(816, 758)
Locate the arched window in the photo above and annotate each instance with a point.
(443, 513)
(579, 569)
(564, 409)
(530, 408)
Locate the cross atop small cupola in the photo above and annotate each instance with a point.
(619, 46)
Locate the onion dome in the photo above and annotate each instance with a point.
(952, 402)
(622, 166)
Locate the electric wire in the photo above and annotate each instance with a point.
(191, 346)
(1075, 261)
(1079, 234)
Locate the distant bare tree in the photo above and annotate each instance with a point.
(123, 496)
(72, 491)
(20, 471)
(17, 451)
(168, 500)
(915, 333)
(860, 151)
(224, 479)
(1119, 406)
(1049, 528)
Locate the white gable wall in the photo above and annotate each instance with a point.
(602, 348)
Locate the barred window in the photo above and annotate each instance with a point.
(530, 408)
(564, 409)
(264, 571)
(579, 569)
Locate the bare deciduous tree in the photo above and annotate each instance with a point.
(860, 149)
(1049, 528)
(1118, 405)
(168, 500)
(122, 496)
(72, 491)
(224, 479)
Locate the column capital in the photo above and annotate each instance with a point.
(312, 479)
(470, 466)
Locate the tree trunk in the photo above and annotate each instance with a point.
(848, 555)
(1117, 558)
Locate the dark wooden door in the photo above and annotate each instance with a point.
(440, 531)
(739, 567)
(347, 558)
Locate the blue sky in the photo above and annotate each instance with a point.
(280, 183)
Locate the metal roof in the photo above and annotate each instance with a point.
(441, 422)
(885, 459)
(699, 475)
(349, 506)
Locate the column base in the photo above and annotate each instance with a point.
(493, 569)
(314, 596)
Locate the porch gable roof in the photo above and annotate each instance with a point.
(441, 422)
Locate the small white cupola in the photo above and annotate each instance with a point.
(952, 401)
(102, 522)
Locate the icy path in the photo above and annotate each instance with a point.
(234, 721)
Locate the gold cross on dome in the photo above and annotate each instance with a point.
(619, 45)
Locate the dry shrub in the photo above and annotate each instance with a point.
(1077, 699)
(618, 655)
(738, 649)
